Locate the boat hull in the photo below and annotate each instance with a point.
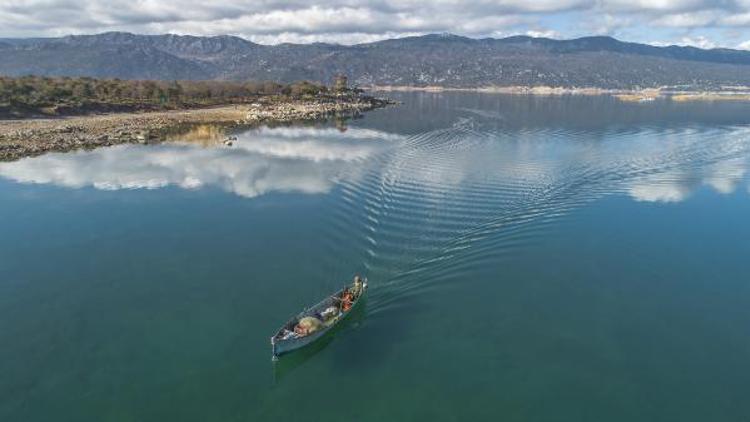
(281, 347)
(286, 346)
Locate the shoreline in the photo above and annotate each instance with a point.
(628, 95)
(22, 138)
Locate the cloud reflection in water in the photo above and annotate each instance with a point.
(675, 186)
(267, 160)
(655, 166)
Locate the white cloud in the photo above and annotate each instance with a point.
(356, 21)
(700, 42)
(607, 24)
(329, 37)
(688, 20)
(548, 33)
(656, 5)
(739, 19)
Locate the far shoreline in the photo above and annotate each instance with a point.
(740, 93)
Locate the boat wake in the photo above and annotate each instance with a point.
(433, 206)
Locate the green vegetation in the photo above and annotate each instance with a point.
(43, 95)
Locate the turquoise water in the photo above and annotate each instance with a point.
(530, 259)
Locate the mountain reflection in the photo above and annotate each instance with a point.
(262, 161)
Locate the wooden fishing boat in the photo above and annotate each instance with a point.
(329, 312)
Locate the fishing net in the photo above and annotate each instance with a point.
(310, 324)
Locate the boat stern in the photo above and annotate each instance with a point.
(274, 352)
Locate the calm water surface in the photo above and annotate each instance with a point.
(530, 259)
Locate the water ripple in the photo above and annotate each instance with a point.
(443, 201)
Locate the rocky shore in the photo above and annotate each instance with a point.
(29, 137)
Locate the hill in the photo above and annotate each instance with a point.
(438, 59)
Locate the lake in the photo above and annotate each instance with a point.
(564, 258)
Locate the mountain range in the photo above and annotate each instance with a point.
(430, 60)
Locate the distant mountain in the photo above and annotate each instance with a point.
(438, 59)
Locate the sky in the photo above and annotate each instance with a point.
(701, 23)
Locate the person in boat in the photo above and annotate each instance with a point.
(357, 286)
(351, 294)
(347, 299)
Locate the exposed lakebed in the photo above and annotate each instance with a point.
(530, 258)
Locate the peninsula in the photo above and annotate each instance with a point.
(61, 114)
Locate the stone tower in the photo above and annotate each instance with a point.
(340, 83)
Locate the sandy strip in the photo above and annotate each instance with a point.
(29, 137)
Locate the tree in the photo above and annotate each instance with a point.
(174, 92)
